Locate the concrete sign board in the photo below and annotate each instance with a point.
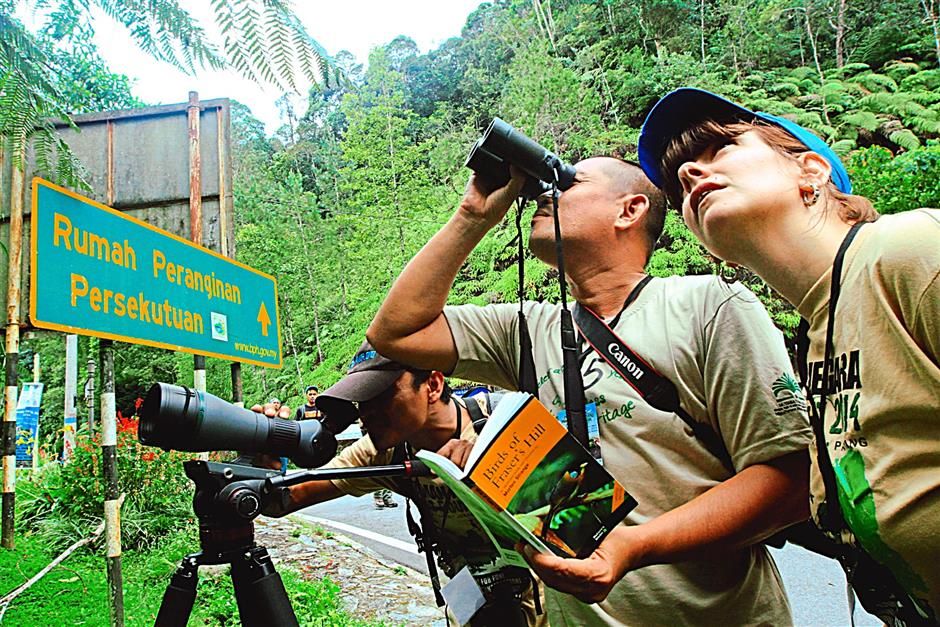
(97, 271)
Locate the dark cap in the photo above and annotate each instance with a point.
(369, 375)
(686, 107)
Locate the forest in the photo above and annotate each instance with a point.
(369, 163)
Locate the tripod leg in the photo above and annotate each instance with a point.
(259, 591)
(180, 594)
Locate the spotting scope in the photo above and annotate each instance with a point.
(183, 419)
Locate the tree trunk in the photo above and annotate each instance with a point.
(822, 78)
(289, 327)
(342, 254)
(840, 34)
(302, 229)
(930, 11)
(398, 217)
(545, 21)
(701, 24)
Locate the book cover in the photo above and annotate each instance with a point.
(535, 477)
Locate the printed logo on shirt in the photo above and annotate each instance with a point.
(787, 393)
(844, 383)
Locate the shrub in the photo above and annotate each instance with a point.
(63, 502)
(897, 183)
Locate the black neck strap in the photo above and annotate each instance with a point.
(527, 379)
(570, 351)
(657, 390)
(458, 430)
(831, 518)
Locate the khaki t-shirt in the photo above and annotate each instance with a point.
(882, 426)
(719, 347)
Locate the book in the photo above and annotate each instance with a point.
(527, 479)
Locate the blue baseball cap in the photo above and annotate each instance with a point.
(685, 107)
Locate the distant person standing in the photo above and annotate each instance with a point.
(309, 409)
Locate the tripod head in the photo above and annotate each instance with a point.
(228, 498)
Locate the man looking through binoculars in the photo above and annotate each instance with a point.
(690, 552)
(406, 410)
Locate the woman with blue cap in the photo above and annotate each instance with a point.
(762, 192)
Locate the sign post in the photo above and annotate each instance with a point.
(98, 272)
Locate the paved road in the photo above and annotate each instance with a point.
(815, 584)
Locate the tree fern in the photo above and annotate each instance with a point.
(863, 119)
(875, 82)
(905, 139)
(271, 50)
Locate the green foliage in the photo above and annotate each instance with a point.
(897, 183)
(61, 502)
(70, 591)
(261, 39)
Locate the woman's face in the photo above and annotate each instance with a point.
(735, 190)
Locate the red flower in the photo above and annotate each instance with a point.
(148, 456)
(126, 425)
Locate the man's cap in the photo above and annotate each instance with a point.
(311, 387)
(274, 400)
(687, 107)
(369, 374)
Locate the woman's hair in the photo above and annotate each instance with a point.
(689, 144)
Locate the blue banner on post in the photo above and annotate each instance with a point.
(27, 423)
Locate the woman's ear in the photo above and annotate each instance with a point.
(814, 169)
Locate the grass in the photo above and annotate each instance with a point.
(75, 593)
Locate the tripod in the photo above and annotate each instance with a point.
(228, 498)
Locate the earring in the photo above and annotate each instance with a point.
(810, 196)
(727, 271)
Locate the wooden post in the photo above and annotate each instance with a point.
(71, 387)
(195, 216)
(112, 512)
(195, 169)
(225, 211)
(15, 250)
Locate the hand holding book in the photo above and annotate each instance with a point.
(527, 479)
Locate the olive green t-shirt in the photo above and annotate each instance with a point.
(717, 344)
(882, 425)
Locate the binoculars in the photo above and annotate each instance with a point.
(502, 145)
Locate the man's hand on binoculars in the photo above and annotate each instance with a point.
(270, 411)
(490, 206)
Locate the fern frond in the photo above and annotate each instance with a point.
(876, 82)
(862, 119)
(905, 139)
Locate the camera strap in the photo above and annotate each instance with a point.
(571, 352)
(657, 390)
(527, 380)
(876, 586)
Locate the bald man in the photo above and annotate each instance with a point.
(691, 552)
